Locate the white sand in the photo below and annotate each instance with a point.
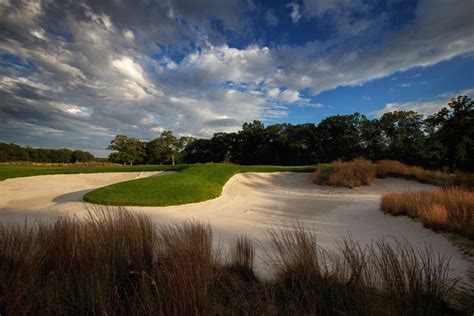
(251, 203)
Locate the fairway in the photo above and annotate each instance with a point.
(15, 171)
(195, 183)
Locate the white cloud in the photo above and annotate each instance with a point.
(95, 77)
(295, 13)
(425, 107)
(126, 66)
(128, 35)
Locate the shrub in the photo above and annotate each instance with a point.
(448, 209)
(348, 174)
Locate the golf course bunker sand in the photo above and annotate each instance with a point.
(51, 195)
(250, 204)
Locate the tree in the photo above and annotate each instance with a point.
(340, 136)
(404, 136)
(81, 156)
(250, 143)
(199, 151)
(129, 150)
(453, 127)
(166, 148)
(170, 145)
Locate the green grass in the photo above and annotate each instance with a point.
(13, 171)
(193, 184)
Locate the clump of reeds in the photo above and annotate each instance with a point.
(450, 209)
(121, 263)
(349, 174)
(386, 277)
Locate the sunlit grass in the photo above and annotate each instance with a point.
(194, 184)
(450, 209)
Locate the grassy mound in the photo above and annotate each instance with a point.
(194, 184)
(449, 209)
(120, 263)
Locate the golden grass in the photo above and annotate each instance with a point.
(392, 168)
(449, 209)
(347, 174)
(360, 171)
(121, 263)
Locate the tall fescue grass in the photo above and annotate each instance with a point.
(392, 168)
(120, 263)
(360, 171)
(382, 278)
(349, 174)
(450, 209)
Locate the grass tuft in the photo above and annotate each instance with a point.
(347, 174)
(450, 209)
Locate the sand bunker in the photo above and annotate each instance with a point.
(251, 203)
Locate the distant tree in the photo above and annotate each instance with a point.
(340, 136)
(372, 140)
(12, 152)
(453, 127)
(81, 156)
(250, 143)
(62, 155)
(170, 144)
(404, 136)
(199, 151)
(128, 150)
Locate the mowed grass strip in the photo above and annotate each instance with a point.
(14, 171)
(194, 184)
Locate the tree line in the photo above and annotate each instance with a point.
(13, 152)
(442, 140)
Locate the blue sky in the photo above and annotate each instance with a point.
(76, 73)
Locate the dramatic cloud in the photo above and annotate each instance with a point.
(76, 73)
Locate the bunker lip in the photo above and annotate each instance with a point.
(250, 204)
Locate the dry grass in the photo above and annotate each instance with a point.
(348, 174)
(392, 168)
(120, 263)
(450, 209)
(385, 277)
(360, 171)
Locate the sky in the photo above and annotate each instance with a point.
(75, 73)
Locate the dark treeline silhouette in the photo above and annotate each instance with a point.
(445, 139)
(13, 152)
(442, 140)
